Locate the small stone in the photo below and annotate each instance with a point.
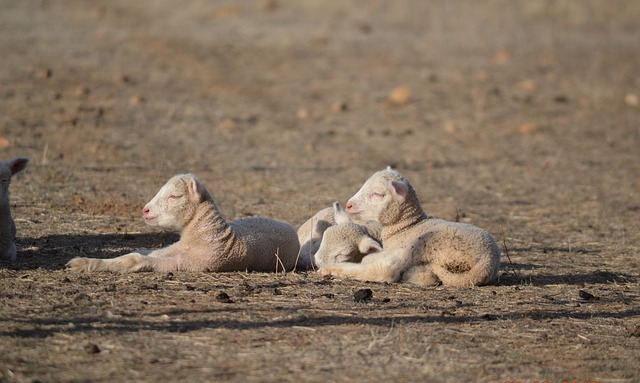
(587, 296)
(528, 85)
(502, 56)
(303, 113)
(631, 99)
(228, 124)
(91, 348)
(121, 78)
(310, 148)
(269, 5)
(450, 127)
(400, 96)
(136, 100)
(339, 106)
(561, 99)
(364, 28)
(169, 276)
(44, 73)
(528, 127)
(82, 91)
(223, 297)
(363, 295)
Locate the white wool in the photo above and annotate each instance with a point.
(417, 248)
(207, 240)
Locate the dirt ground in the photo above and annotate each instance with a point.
(520, 117)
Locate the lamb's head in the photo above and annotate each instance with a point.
(175, 204)
(345, 241)
(7, 170)
(385, 197)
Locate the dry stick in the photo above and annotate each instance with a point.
(284, 269)
(506, 252)
(295, 266)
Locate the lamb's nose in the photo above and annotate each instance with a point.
(145, 211)
(349, 206)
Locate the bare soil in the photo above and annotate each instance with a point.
(519, 117)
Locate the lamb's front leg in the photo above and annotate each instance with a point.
(164, 260)
(385, 266)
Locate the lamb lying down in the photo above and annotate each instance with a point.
(417, 248)
(347, 241)
(207, 241)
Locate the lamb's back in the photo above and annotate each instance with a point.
(262, 239)
(441, 238)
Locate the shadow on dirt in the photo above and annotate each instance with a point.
(512, 277)
(50, 326)
(53, 252)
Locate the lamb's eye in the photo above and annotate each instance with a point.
(377, 195)
(174, 196)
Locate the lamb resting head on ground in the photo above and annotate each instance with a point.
(207, 241)
(417, 248)
(7, 226)
(347, 241)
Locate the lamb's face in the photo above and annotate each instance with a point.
(374, 197)
(168, 209)
(347, 242)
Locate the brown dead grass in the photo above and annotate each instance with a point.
(562, 198)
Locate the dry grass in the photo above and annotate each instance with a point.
(517, 123)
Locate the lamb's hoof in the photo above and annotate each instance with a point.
(330, 270)
(79, 264)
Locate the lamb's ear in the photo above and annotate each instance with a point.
(195, 189)
(400, 190)
(339, 215)
(17, 165)
(368, 245)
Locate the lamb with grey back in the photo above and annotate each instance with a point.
(310, 235)
(417, 248)
(7, 226)
(207, 241)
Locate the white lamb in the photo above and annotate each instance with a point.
(207, 241)
(347, 241)
(7, 225)
(417, 248)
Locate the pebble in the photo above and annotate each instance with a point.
(400, 95)
(82, 91)
(92, 348)
(136, 100)
(223, 297)
(363, 295)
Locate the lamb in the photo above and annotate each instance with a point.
(207, 241)
(418, 248)
(7, 226)
(310, 235)
(347, 241)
